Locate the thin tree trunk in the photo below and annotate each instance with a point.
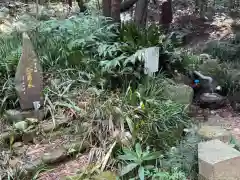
(231, 4)
(70, 3)
(81, 5)
(115, 10)
(37, 8)
(203, 9)
(141, 13)
(196, 5)
(166, 14)
(106, 8)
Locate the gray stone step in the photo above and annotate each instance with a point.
(218, 161)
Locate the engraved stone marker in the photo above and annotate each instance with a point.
(28, 78)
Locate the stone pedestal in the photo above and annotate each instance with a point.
(218, 161)
(214, 132)
(14, 116)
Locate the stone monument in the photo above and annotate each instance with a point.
(28, 78)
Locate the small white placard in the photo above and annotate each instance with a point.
(151, 58)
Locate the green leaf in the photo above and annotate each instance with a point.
(130, 124)
(128, 168)
(141, 173)
(142, 105)
(151, 156)
(127, 157)
(138, 150)
(130, 153)
(22, 125)
(162, 175)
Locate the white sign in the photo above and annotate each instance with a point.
(151, 58)
(36, 105)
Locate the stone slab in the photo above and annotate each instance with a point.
(218, 161)
(214, 132)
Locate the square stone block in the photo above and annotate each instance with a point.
(218, 161)
(214, 132)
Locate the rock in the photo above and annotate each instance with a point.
(32, 166)
(32, 114)
(47, 126)
(13, 115)
(17, 145)
(212, 100)
(209, 67)
(182, 79)
(19, 151)
(32, 120)
(76, 147)
(14, 162)
(218, 161)
(214, 132)
(5, 136)
(179, 93)
(22, 125)
(56, 155)
(62, 120)
(225, 114)
(105, 175)
(29, 135)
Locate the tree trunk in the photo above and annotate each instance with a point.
(81, 5)
(126, 5)
(203, 9)
(196, 5)
(166, 14)
(70, 3)
(141, 13)
(106, 8)
(115, 10)
(231, 4)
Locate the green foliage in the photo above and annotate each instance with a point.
(227, 53)
(225, 50)
(184, 155)
(92, 172)
(235, 143)
(137, 159)
(87, 43)
(85, 55)
(157, 123)
(72, 41)
(139, 38)
(174, 174)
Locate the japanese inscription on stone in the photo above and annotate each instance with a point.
(28, 78)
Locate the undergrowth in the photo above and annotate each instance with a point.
(85, 59)
(226, 73)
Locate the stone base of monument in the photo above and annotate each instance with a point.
(200, 177)
(13, 115)
(218, 161)
(214, 132)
